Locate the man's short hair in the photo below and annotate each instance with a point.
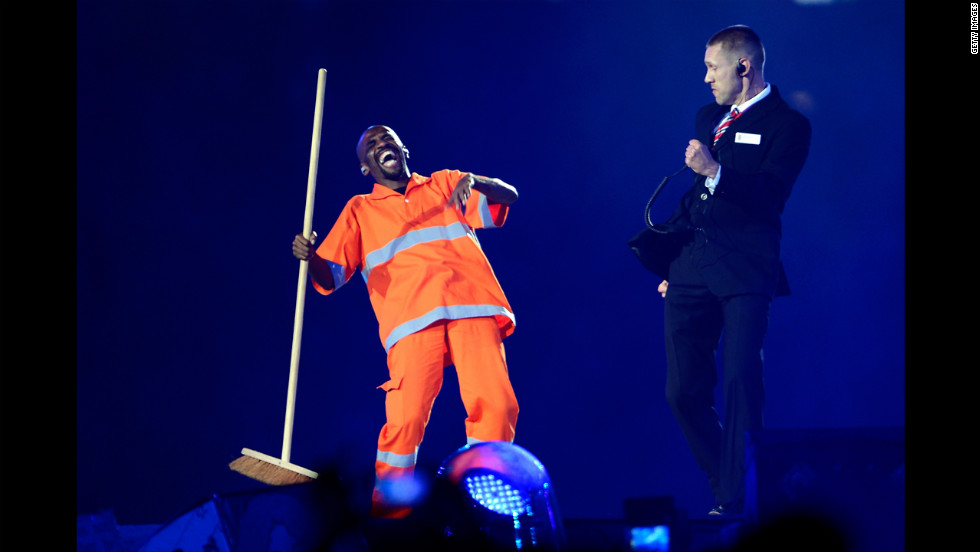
(742, 41)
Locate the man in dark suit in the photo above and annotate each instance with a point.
(749, 150)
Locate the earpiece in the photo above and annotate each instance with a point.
(741, 68)
(364, 170)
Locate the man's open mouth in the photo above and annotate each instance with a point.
(387, 158)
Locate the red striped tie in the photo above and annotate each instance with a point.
(732, 115)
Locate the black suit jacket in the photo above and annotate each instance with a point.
(732, 243)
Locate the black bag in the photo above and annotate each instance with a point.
(656, 247)
(659, 244)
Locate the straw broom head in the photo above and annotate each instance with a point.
(269, 470)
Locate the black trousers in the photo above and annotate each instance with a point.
(695, 322)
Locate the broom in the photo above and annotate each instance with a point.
(262, 467)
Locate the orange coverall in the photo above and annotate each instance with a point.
(438, 302)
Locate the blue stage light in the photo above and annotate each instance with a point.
(495, 493)
(509, 494)
(650, 539)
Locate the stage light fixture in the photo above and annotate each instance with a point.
(508, 493)
(655, 538)
(653, 523)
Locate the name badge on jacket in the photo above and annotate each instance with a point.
(748, 138)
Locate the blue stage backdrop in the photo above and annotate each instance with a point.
(194, 124)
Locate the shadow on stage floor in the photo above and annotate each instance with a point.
(100, 533)
(826, 490)
(274, 521)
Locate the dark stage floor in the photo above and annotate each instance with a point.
(100, 533)
(203, 529)
(806, 490)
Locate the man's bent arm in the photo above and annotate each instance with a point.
(496, 190)
(320, 272)
(318, 267)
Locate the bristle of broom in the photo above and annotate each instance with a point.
(269, 470)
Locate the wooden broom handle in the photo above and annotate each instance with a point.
(287, 436)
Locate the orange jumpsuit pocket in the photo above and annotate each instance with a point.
(393, 383)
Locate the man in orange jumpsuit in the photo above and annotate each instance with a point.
(435, 295)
